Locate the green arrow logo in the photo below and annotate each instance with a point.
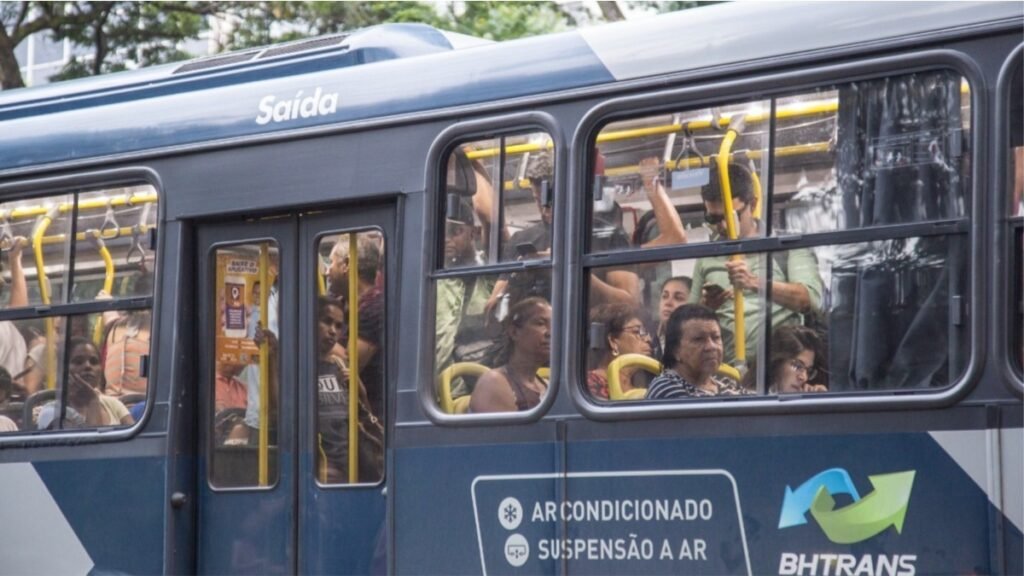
(885, 506)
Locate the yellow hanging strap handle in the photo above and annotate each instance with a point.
(44, 294)
(264, 432)
(108, 279)
(736, 124)
(353, 360)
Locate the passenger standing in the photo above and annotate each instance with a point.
(12, 343)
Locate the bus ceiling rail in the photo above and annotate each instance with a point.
(25, 212)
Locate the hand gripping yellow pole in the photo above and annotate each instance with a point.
(44, 294)
(108, 280)
(736, 124)
(353, 360)
(264, 434)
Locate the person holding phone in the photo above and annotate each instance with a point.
(796, 286)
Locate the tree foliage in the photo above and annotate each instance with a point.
(123, 34)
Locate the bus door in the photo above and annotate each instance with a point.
(297, 486)
(247, 351)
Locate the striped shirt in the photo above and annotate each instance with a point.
(669, 385)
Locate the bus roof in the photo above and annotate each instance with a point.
(401, 69)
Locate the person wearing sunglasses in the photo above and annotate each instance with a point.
(795, 283)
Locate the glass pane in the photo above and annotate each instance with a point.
(23, 374)
(858, 317)
(244, 433)
(113, 252)
(657, 181)
(498, 207)
(1017, 295)
(889, 151)
(33, 237)
(350, 339)
(493, 347)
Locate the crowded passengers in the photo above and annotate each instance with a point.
(685, 324)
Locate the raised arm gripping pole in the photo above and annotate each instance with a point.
(736, 125)
(353, 360)
(44, 294)
(264, 433)
(108, 279)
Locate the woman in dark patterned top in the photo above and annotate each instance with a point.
(514, 385)
(693, 353)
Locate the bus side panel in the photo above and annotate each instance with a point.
(748, 505)
(435, 521)
(115, 507)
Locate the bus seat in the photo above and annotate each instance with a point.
(456, 405)
(729, 372)
(544, 372)
(645, 362)
(36, 400)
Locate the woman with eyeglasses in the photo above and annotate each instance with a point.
(624, 333)
(796, 353)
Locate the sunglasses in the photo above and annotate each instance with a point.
(716, 219)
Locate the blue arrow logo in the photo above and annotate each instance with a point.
(797, 503)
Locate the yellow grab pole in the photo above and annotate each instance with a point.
(320, 282)
(732, 228)
(353, 360)
(264, 436)
(108, 280)
(44, 294)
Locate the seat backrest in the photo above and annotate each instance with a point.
(39, 398)
(444, 384)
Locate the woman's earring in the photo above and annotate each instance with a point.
(615, 351)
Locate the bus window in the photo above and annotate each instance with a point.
(889, 151)
(114, 243)
(245, 396)
(1016, 212)
(493, 346)
(350, 369)
(34, 237)
(881, 314)
(870, 316)
(503, 188)
(653, 175)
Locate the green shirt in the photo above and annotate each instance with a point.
(450, 313)
(801, 268)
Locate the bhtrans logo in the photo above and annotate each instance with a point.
(862, 519)
(301, 106)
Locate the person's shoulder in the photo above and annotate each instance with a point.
(666, 385)
(7, 425)
(729, 387)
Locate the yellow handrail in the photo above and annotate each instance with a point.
(44, 295)
(353, 360)
(84, 205)
(732, 229)
(264, 416)
(615, 392)
(108, 280)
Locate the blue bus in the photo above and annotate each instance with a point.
(734, 290)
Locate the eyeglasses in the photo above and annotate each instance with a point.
(799, 366)
(638, 331)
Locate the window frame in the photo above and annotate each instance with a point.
(436, 179)
(763, 86)
(83, 183)
(1006, 229)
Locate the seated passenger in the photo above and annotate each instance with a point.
(230, 392)
(693, 353)
(87, 406)
(333, 407)
(624, 333)
(796, 286)
(793, 362)
(514, 384)
(6, 388)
